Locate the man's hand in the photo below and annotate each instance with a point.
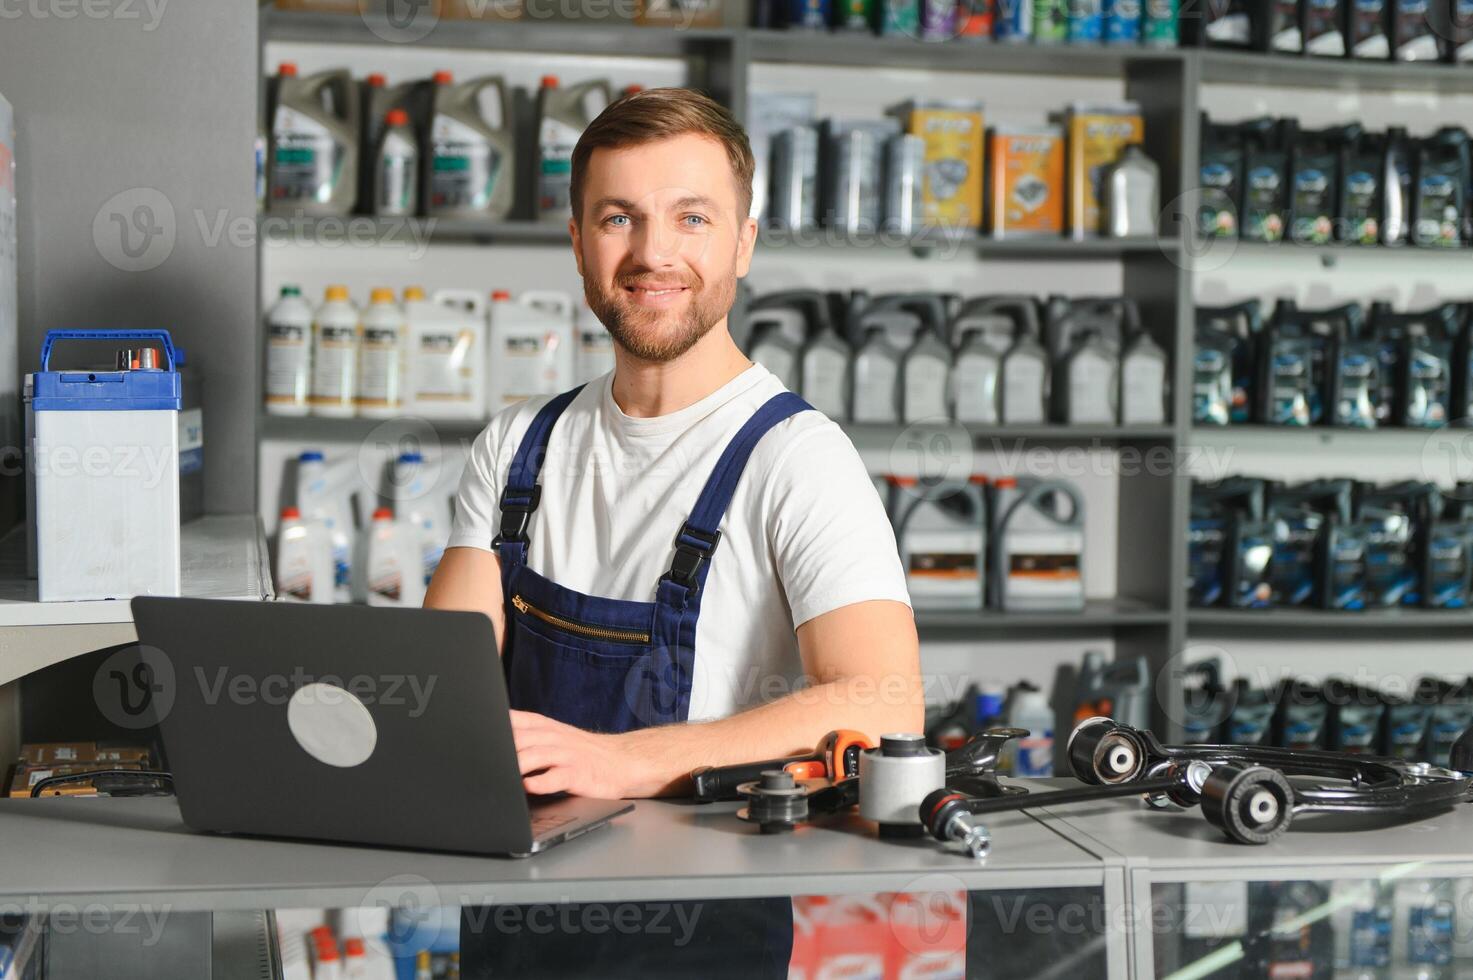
(555, 758)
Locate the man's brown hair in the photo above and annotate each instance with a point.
(661, 113)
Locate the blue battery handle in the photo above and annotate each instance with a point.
(52, 336)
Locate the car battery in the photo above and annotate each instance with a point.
(105, 464)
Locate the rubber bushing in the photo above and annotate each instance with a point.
(1253, 805)
(1084, 741)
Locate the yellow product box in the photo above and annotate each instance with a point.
(952, 173)
(1097, 135)
(1025, 181)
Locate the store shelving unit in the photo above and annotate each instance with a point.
(1149, 617)
(221, 557)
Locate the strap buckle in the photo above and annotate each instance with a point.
(689, 558)
(516, 514)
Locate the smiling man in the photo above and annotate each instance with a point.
(685, 564)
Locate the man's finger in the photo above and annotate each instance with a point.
(555, 780)
(540, 757)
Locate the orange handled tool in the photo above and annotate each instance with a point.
(836, 757)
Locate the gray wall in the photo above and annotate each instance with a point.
(138, 117)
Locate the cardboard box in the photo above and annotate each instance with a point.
(26, 777)
(58, 753)
(1097, 136)
(952, 183)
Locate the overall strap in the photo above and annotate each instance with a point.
(522, 493)
(699, 536)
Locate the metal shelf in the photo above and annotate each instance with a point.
(865, 51)
(221, 557)
(316, 427)
(282, 228)
(1098, 615)
(1329, 623)
(870, 51)
(1322, 434)
(1355, 74)
(1334, 250)
(308, 427)
(866, 433)
(612, 39)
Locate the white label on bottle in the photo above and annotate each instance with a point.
(975, 381)
(294, 577)
(925, 388)
(823, 382)
(288, 350)
(874, 389)
(303, 159)
(397, 175)
(464, 167)
(1089, 390)
(527, 366)
(555, 142)
(442, 366)
(378, 376)
(334, 363)
(778, 360)
(1022, 390)
(1143, 391)
(1035, 755)
(595, 353)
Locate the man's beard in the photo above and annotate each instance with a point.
(649, 334)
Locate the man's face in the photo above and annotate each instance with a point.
(662, 243)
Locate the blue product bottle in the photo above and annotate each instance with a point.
(1122, 22)
(1087, 21)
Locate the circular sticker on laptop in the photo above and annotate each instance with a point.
(331, 725)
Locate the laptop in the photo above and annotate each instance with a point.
(345, 723)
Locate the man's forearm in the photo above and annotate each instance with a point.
(787, 726)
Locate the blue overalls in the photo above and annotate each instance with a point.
(614, 665)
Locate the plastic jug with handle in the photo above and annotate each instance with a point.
(470, 167)
(314, 143)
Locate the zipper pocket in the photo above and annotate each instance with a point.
(580, 629)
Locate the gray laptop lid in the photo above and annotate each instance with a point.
(345, 723)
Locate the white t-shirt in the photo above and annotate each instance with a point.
(805, 533)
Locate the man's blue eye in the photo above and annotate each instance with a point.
(617, 217)
(695, 217)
